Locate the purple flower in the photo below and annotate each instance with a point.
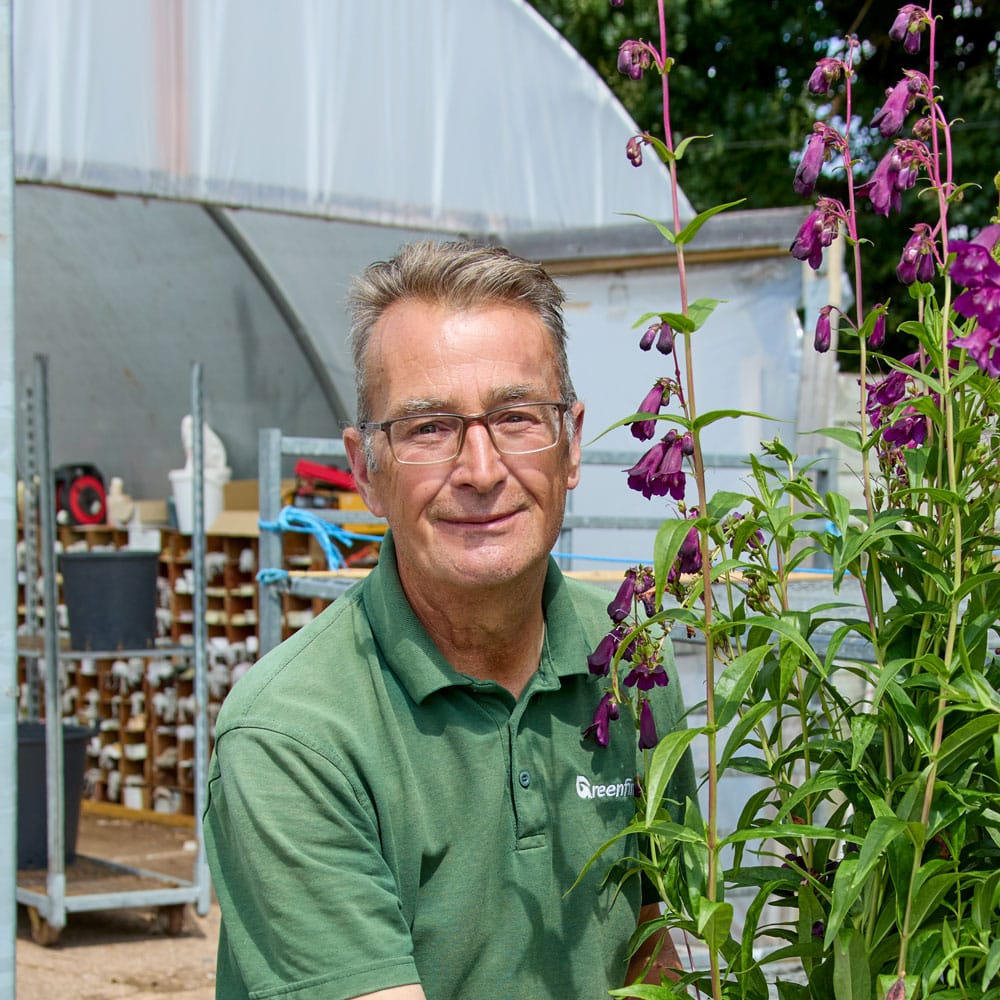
(975, 268)
(895, 173)
(877, 337)
(647, 727)
(821, 339)
(617, 3)
(621, 604)
(689, 554)
(818, 231)
(633, 150)
(647, 674)
(810, 165)
(600, 659)
(645, 588)
(917, 260)
(898, 103)
(633, 58)
(821, 142)
(665, 341)
(909, 431)
(910, 22)
(607, 711)
(643, 430)
(658, 472)
(826, 73)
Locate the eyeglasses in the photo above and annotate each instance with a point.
(514, 429)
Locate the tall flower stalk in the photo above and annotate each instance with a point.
(872, 848)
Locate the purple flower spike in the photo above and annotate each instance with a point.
(895, 173)
(908, 26)
(643, 430)
(899, 102)
(822, 337)
(599, 730)
(647, 727)
(826, 73)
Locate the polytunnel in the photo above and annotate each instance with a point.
(198, 181)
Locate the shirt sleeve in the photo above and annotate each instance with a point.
(310, 909)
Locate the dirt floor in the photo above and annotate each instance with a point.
(124, 953)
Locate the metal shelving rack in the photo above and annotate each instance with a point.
(133, 887)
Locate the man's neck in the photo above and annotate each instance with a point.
(490, 635)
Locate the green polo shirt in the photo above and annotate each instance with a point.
(375, 818)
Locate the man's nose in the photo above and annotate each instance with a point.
(479, 463)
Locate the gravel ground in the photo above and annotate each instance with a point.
(124, 953)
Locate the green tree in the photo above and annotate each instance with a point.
(740, 76)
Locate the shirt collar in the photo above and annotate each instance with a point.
(411, 654)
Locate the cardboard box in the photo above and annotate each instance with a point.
(244, 494)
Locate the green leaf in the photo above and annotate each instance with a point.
(669, 538)
(714, 921)
(689, 232)
(963, 743)
(665, 232)
(992, 965)
(666, 756)
(851, 976)
(704, 419)
(733, 683)
(682, 146)
(842, 435)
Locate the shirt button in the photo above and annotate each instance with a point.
(524, 777)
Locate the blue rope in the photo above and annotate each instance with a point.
(302, 520)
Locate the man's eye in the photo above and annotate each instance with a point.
(426, 428)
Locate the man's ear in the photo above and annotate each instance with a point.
(574, 420)
(354, 446)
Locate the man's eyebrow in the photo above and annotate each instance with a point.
(439, 404)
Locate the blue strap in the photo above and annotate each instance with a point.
(302, 520)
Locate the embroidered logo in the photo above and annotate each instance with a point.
(588, 790)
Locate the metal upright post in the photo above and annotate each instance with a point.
(55, 818)
(198, 551)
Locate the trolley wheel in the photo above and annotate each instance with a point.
(42, 932)
(172, 919)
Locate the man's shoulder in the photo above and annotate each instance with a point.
(320, 657)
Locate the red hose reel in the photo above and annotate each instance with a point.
(80, 495)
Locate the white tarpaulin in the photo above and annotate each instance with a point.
(444, 114)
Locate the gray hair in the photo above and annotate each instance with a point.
(458, 275)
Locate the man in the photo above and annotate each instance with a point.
(400, 799)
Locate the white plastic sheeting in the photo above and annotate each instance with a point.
(444, 114)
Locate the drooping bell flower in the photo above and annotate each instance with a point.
(648, 337)
(825, 75)
(917, 260)
(599, 661)
(909, 431)
(877, 337)
(633, 150)
(823, 335)
(821, 142)
(643, 430)
(607, 711)
(909, 24)
(899, 102)
(633, 59)
(647, 727)
(818, 231)
(665, 339)
(658, 472)
(621, 605)
(689, 554)
(896, 172)
(976, 269)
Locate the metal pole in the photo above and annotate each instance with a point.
(8, 522)
(202, 878)
(55, 819)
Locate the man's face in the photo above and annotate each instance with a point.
(483, 518)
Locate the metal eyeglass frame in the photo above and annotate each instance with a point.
(478, 418)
